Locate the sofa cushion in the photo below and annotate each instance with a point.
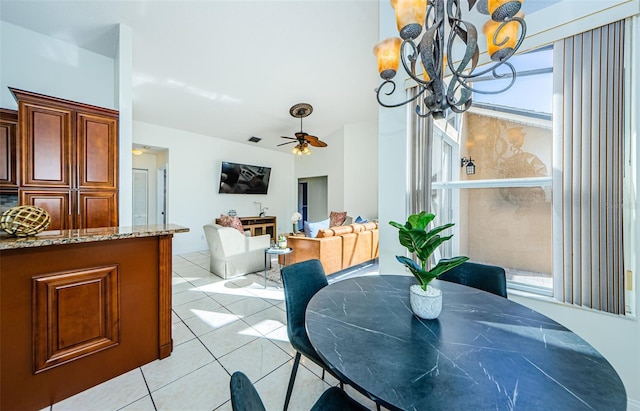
(337, 218)
(311, 229)
(234, 222)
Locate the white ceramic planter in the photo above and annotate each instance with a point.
(425, 304)
(282, 243)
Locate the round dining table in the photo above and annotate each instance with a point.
(483, 352)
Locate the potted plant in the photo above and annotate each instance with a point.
(426, 301)
(282, 241)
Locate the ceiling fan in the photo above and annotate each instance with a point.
(303, 139)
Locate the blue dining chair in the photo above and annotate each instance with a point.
(488, 278)
(245, 397)
(301, 281)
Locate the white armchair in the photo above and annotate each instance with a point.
(233, 253)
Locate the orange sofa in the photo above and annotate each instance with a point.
(338, 247)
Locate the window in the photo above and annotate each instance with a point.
(546, 195)
(503, 211)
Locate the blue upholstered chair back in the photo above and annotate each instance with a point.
(489, 278)
(301, 281)
(244, 396)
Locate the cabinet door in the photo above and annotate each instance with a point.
(97, 151)
(45, 145)
(97, 209)
(8, 130)
(57, 203)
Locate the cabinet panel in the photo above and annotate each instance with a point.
(97, 209)
(75, 314)
(45, 145)
(97, 139)
(56, 203)
(8, 132)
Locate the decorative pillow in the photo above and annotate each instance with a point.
(311, 229)
(228, 221)
(361, 220)
(337, 218)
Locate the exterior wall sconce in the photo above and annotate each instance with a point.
(471, 168)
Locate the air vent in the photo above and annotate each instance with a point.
(254, 139)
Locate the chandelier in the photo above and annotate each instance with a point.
(504, 31)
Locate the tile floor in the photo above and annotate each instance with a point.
(219, 326)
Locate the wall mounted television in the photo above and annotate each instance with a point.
(238, 178)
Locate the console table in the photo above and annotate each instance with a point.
(258, 225)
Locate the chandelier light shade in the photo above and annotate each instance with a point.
(501, 42)
(410, 16)
(388, 54)
(504, 33)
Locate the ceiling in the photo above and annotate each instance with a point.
(232, 69)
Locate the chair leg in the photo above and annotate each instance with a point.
(294, 370)
(323, 374)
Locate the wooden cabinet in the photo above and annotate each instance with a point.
(258, 225)
(69, 160)
(8, 165)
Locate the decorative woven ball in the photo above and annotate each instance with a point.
(23, 221)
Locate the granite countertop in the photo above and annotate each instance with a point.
(58, 237)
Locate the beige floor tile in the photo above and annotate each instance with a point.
(186, 296)
(256, 359)
(184, 359)
(181, 333)
(143, 404)
(202, 390)
(189, 309)
(229, 338)
(268, 320)
(280, 338)
(248, 306)
(110, 395)
(205, 321)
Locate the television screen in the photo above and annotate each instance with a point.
(244, 179)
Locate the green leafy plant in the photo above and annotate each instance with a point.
(414, 236)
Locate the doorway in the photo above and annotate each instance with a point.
(150, 185)
(313, 201)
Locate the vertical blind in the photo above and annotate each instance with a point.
(588, 166)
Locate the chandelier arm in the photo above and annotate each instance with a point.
(507, 57)
(422, 91)
(411, 71)
(513, 76)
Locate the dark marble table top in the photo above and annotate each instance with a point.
(484, 352)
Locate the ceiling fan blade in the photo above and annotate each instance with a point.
(288, 142)
(314, 141)
(290, 138)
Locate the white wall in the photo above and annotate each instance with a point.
(361, 170)
(194, 174)
(34, 62)
(327, 161)
(392, 162)
(350, 163)
(124, 96)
